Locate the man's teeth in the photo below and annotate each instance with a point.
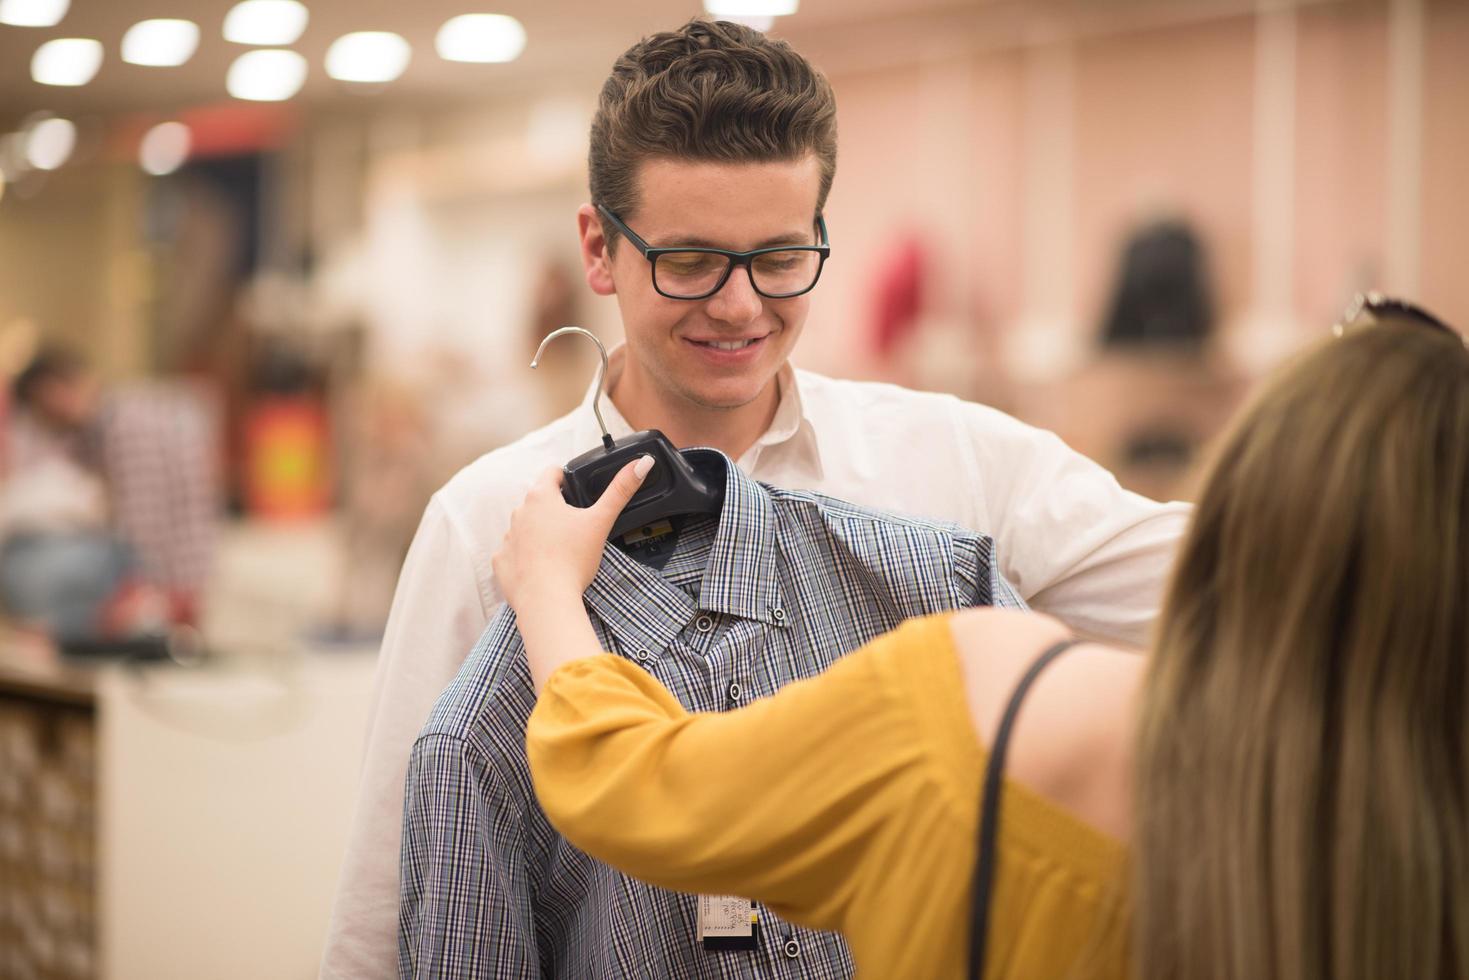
(727, 345)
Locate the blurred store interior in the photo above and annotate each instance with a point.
(1106, 218)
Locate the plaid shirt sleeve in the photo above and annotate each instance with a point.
(977, 575)
(465, 901)
(1002, 593)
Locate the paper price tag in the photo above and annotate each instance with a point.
(725, 916)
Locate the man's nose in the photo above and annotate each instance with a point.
(736, 301)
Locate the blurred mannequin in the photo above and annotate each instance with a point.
(1156, 391)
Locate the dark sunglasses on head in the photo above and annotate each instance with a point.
(1369, 309)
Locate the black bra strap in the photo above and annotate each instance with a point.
(989, 810)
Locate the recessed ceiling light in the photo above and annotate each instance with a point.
(50, 142)
(483, 38)
(367, 56)
(266, 76)
(751, 8)
(267, 22)
(161, 43)
(67, 61)
(165, 147)
(33, 13)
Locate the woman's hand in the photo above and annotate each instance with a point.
(553, 549)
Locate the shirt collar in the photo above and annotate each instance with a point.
(790, 410)
(791, 418)
(740, 578)
(645, 611)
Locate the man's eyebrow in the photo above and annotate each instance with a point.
(694, 241)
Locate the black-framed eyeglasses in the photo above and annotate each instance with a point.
(1368, 309)
(687, 272)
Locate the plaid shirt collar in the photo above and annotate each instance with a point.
(643, 610)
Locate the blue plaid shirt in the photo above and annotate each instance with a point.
(776, 589)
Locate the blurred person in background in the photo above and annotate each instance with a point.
(110, 502)
(715, 145)
(60, 564)
(1279, 792)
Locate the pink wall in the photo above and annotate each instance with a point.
(933, 151)
(1159, 119)
(1163, 122)
(1341, 159)
(1444, 280)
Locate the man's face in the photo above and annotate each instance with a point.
(672, 357)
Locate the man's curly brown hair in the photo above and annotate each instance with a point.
(709, 91)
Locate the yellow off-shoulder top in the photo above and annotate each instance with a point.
(846, 802)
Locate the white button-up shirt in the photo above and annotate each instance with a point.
(1067, 536)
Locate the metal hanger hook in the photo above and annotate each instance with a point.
(601, 372)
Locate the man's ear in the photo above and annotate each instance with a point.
(595, 259)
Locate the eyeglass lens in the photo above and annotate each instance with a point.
(780, 273)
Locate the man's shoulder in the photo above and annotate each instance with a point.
(489, 487)
(487, 703)
(847, 393)
(891, 410)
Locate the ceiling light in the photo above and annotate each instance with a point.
(165, 147)
(268, 22)
(266, 76)
(751, 8)
(481, 37)
(50, 142)
(67, 61)
(367, 56)
(33, 13)
(161, 43)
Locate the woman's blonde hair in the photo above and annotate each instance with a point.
(1303, 756)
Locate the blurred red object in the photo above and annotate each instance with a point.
(288, 473)
(135, 608)
(219, 129)
(898, 294)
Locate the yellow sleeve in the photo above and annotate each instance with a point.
(783, 801)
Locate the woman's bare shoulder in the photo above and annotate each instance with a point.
(1072, 740)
